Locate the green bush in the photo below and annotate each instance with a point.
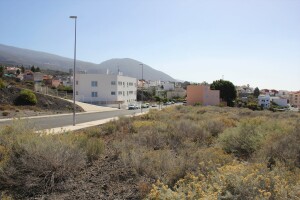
(26, 97)
(2, 85)
(5, 113)
(242, 140)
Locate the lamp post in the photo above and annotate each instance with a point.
(74, 105)
(142, 94)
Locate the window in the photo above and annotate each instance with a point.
(113, 83)
(130, 84)
(119, 82)
(130, 92)
(94, 83)
(76, 92)
(120, 93)
(94, 94)
(76, 82)
(113, 93)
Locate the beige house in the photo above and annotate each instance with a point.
(295, 99)
(202, 94)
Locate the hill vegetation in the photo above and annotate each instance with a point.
(182, 152)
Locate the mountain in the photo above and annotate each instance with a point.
(133, 68)
(129, 67)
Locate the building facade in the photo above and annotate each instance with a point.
(105, 89)
(295, 99)
(264, 101)
(202, 94)
(282, 102)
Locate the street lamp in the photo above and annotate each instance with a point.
(142, 94)
(74, 105)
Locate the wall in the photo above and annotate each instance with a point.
(203, 95)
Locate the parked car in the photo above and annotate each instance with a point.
(145, 105)
(131, 107)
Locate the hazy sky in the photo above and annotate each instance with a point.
(254, 42)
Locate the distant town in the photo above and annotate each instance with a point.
(119, 90)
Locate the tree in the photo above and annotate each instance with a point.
(18, 72)
(22, 69)
(37, 69)
(256, 92)
(2, 85)
(1, 70)
(32, 68)
(227, 90)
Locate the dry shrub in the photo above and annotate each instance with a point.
(215, 126)
(93, 147)
(244, 139)
(233, 181)
(35, 164)
(283, 146)
(144, 188)
(159, 164)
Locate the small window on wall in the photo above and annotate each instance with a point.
(76, 82)
(94, 83)
(113, 93)
(113, 83)
(94, 94)
(120, 93)
(76, 92)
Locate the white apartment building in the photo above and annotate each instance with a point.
(105, 89)
(264, 101)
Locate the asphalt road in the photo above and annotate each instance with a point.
(65, 120)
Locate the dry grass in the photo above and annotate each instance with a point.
(168, 145)
(32, 164)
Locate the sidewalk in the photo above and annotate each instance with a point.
(92, 108)
(60, 130)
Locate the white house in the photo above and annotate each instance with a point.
(282, 102)
(264, 101)
(105, 88)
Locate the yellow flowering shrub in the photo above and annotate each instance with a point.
(233, 181)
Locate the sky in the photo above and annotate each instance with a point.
(255, 42)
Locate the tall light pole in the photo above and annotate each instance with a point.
(142, 94)
(74, 105)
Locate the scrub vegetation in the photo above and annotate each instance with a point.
(181, 152)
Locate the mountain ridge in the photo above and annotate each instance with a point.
(129, 67)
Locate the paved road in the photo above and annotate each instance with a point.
(65, 120)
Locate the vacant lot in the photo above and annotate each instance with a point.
(180, 152)
(45, 105)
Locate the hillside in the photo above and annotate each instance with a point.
(45, 105)
(129, 67)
